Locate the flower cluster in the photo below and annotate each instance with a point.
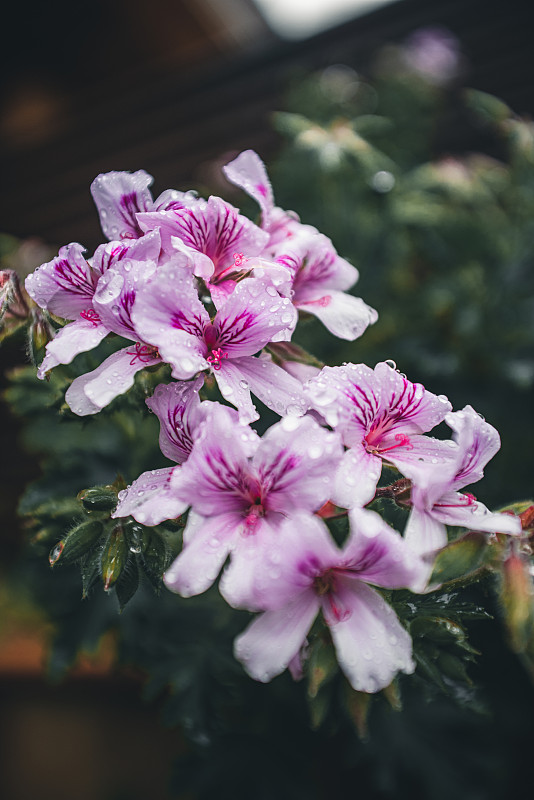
(194, 284)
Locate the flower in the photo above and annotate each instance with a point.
(371, 644)
(67, 285)
(320, 276)
(170, 316)
(435, 499)
(381, 417)
(245, 494)
(153, 497)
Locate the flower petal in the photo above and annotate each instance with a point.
(371, 644)
(378, 554)
(296, 462)
(150, 499)
(215, 477)
(356, 478)
(66, 285)
(460, 510)
(116, 293)
(180, 412)
(344, 315)
(146, 248)
(477, 440)
(271, 384)
(274, 638)
(201, 559)
(215, 229)
(248, 172)
(424, 533)
(119, 197)
(91, 392)
(251, 316)
(76, 337)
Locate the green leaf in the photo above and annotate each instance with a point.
(127, 583)
(460, 559)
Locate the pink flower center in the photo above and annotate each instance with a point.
(373, 446)
(325, 586)
(216, 357)
(254, 514)
(91, 316)
(143, 352)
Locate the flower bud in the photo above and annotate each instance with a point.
(98, 498)
(40, 333)
(76, 543)
(114, 556)
(516, 596)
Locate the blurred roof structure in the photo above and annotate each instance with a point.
(171, 87)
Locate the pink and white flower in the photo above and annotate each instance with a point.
(113, 303)
(215, 234)
(66, 286)
(246, 493)
(381, 417)
(153, 497)
(371, 644)
(170, 316)
(320, 277)
(435, 497)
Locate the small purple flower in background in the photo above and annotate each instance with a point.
(371, 644)
(246, 495)
(435, 499)
(434, 53)
(381, 417)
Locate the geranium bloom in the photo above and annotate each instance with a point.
(320, 277)
(66, 286)
(169, 315)
(381, 417)
(214, 232)
(435, 499)
(113, 302)
(244, 495)
(153, 498)
(371, 644)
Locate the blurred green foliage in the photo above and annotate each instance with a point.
(444, 243)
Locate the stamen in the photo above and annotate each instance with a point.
(325, 586)
(143, 352)
(215, 359)
(255, 513)
(91, 316)
(470, 500)
(401, 439)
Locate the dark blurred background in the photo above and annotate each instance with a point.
(172, 85)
